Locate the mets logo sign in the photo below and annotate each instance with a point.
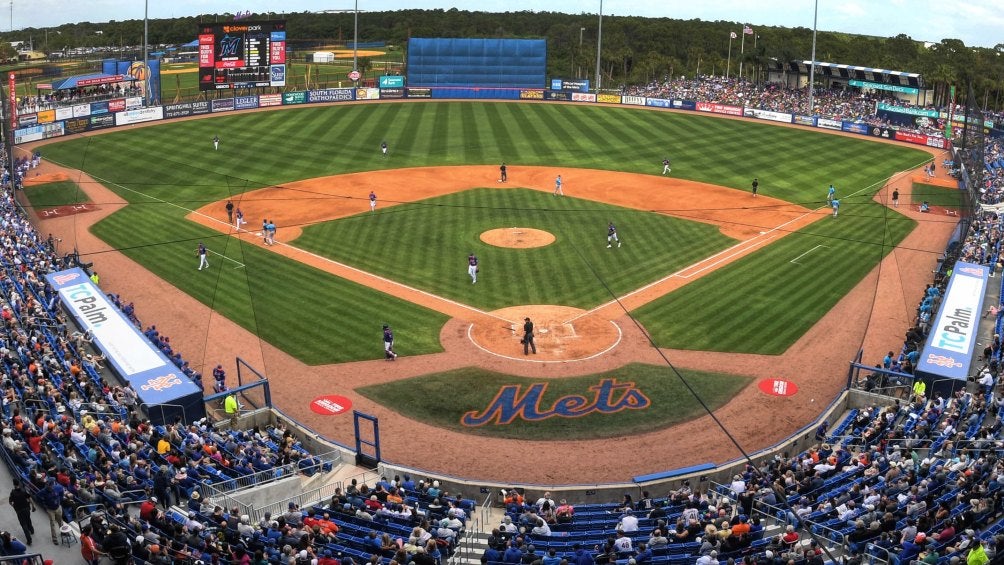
(161, 383)
(511, 402)
(942, 361)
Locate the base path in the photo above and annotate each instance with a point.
(874, 316)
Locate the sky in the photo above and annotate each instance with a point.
(978, 23)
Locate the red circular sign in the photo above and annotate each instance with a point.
(354, 75)
(777, 387)
(331, 405)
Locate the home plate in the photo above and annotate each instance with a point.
(763, 233)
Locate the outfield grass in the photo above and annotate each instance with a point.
(448, 396)
(53, 194)
(173, 163)
(764, 302)
(576, 270)
(936, 195)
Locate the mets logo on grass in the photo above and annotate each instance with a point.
(512, 402)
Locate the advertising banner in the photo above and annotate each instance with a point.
(658, 103)
(583, 97)
(200, 107)
(298, 97)
(560, 95)
(573, 85)
(767, 115)
(827, 123)
(331, 95)
(921, 139)
(609, 98)
(716, 108)
(101, 122)
(883, 132)
(12, 94)
(882, 86)
(855, 127)
(76, 125)
(805, 120)
(117, 105)
(141, 115)
(633, 100)
(99, 107)
(685, 104)
(25, 120)
(133, 102)
(266, 100)
(906, 110)
(178, 110)
(367, 94)
(277, 75)
(391, 81)
(245, 102)
(391, 93)
(154, 377)
(951, 344)
(46, 116)
(81, 110)
(419, 92)
(531, 94)
(36, 133)
(64, 113)
(222, 104)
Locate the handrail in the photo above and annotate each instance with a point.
(274, 474)
(318, 494)
(146, 408)
(872, 558)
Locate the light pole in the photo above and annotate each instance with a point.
(599, 43)
(578, 73)
(146, 56)
(355, 40)
(812, 69)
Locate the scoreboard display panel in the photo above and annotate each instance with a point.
(242, 55)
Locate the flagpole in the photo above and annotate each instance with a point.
(755, 68)
(728, 66)
(742, 49)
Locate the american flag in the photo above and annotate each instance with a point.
(747, 30)
(733, 35)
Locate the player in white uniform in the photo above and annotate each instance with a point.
(372, 201)
(472, 267)
(665, 166)
(612, 236)
(216, 143)
(202, 252)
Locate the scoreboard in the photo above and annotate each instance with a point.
(242, 55)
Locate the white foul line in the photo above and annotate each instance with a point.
(239, 264)
(795, 260)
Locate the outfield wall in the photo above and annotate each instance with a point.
(93, 116)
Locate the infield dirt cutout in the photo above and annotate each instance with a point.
(517, 238)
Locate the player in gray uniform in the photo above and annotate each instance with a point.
(612, 236)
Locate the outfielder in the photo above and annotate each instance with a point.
(216, 143)
(383, 148)
(388, 343)
(472, 267)
(612, 236)
(831, 194)
(202, 252)
(665, 166)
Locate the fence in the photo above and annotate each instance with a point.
(267, 476)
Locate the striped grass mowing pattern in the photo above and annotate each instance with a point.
(764, 302)
(53, 194)
(425, 244)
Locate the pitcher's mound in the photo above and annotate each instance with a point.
(518, 238)
(561, 333)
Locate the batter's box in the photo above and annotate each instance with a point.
(558, 330)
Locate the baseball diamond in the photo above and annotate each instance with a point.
(337, 266)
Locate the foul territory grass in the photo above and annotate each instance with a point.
(936, 195)
(472, 392)
(174, 163)
(53, 194)
(576, 270)
(764, 302)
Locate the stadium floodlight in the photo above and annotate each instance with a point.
(812, 67)
(146, 56)
(599, 43)
(355, 32)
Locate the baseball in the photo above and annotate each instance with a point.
(812, 400)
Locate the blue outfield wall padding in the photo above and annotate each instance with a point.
(673, 473)
(519, 63)
(476, 93)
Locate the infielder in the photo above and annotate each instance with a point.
(836, 207)
(831, 194)
(472, 267)
(502, 173)
(202, 252)
(388, 343)
(665, 166)
(612, 236)
(557, 187)
(372, 201)
(216, 143)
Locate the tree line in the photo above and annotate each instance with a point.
(635, 50)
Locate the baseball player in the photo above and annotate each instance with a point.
(831, 194)
(612, 236)
(240, 218)
(202, 252)
(372, 201)
(836, 207)
(383, 148)
(756, 185)
(216, 143)
(472, 267)
(665, 166)
(557, 187)
(502, 173)
(388, 343)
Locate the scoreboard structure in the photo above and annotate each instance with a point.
(242, 55)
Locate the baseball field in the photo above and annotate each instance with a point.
(704, 266)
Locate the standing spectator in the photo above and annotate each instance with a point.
(52, 499)
(232, 410)
(23, 506)
(88, 547)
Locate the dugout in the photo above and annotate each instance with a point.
(461, 62)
